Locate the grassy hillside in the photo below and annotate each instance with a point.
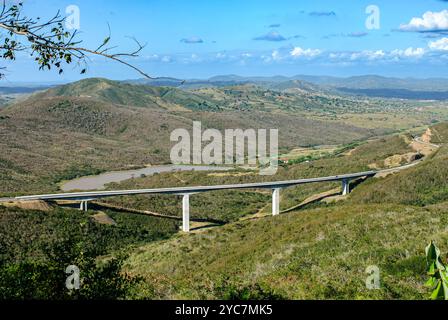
(315, 253)
(320, 252)
(439, 133)
(422, 185)
(127, 95)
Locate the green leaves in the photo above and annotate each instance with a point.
(437, 272)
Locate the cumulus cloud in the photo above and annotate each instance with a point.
(368, 55)
(192, 40)
(271, 36)
(299, 52)
(289, 54)
(221, 55)
(275, 55)
(166, 59)
(409, 53)
(440, 45)
(429, 22)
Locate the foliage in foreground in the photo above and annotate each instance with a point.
(47, 280)
(437, 272)
(36, 248)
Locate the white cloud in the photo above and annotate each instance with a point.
(275, 55)
(409, 53)
(431, 21)
(299, 52)
(221, 55)
(151, 57)
(441, 44)
(368, 54)
(166, 59)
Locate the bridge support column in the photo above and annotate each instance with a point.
(186, 213)
(276, 202)
(345, 187)
(83, 206)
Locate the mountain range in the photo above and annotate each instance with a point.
(367, 85)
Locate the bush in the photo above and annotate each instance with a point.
(47, 280)
(232, 291)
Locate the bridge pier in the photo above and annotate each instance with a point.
(345, 187)
(186, 213)
(276, 201)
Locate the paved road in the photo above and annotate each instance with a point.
(419, 139)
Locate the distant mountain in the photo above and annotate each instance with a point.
(274, 83)
(21, 90)
(397, 93)
(368, 85)
(378, 82)
(297, 85)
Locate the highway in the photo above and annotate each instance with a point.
(87, 196)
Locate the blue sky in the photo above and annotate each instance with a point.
(200, 38)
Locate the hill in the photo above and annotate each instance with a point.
(161, 98)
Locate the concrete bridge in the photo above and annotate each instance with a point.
(185, 192)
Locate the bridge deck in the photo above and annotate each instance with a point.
(192, 190)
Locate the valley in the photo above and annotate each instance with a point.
(98, 125)
(237, 249)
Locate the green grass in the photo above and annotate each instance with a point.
(314, 254)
